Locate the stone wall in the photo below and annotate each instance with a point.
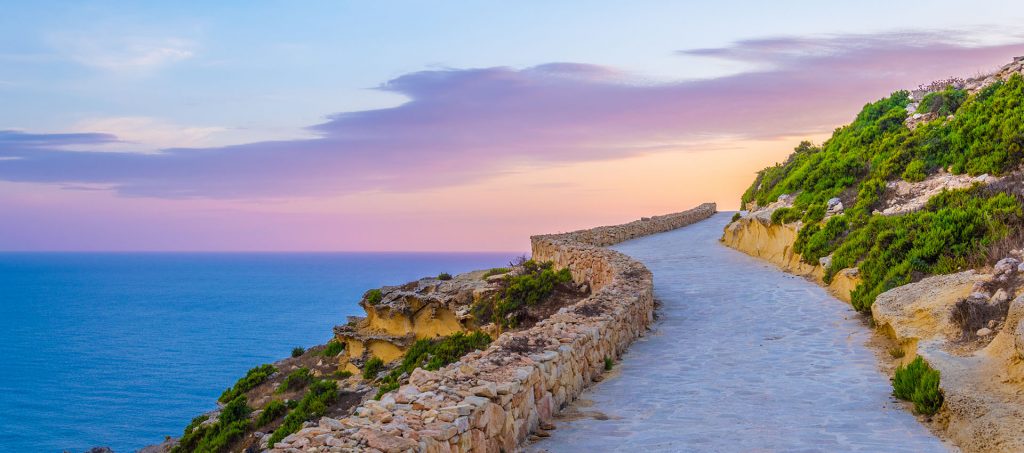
(491, 400)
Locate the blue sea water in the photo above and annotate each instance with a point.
(122, 349)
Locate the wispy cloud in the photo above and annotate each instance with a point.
(124, 53)
(138, 133)
(463, 125)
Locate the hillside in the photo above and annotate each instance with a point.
(913, 214)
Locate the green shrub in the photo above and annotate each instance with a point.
(496, 271)
(444, 276)
(915, 171)
(312, 405)
(942, 103)
(342, 374)
(918, 382)
(433, 355)
(535, 283)
(372, 367)
(815, 213)
(296, 380)
(735, 217)
(608, 364)
(271, 412)
(785, 215)
(298, 351)
(333, 348)
(230, 426)
(252, 378)
(374, 296)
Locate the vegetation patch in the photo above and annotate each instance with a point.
(374, 296)
(312, 405)
(296, 380)
(918, 382)
(372, 367)
(252, 378)
(432, 355)
(272, 411)
(525, 289)
(785, 215)
(444, 276)
(333, 348)
(298, 351)
(230, 426)
(496, 271)
(954, 231)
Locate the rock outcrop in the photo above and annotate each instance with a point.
(491, 400)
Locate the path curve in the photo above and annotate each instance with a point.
(744, 358)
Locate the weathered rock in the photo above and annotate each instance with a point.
(984, 332)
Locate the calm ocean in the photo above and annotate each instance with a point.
(121, 349)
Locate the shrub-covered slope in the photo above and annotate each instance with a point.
(958, 132)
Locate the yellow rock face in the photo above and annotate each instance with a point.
(384, 350)
(774, 243)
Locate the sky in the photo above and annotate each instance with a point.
(431, 126)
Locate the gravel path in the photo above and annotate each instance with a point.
(745, 358)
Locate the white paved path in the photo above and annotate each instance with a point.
(745, 358)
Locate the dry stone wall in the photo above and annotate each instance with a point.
(491, 400)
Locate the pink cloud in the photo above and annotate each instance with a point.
(464, 125)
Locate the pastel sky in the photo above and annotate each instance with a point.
(431, 126)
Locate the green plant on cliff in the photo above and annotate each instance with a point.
(296, 380)
(232, 423)
(252, 378)
(374, 296)
(432, 355)
(313, 404)
(918, 382)
(444, 276)
(534, 283)
(271, 412)
(785, 215)
(943, 102)
(372, 367)
(298, 351)
(333, 348)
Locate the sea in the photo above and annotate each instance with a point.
(122, 349)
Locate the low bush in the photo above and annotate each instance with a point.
(374, 296)
(252, 378)
(785, 215)
(298, 351)
(333, 348)
(432, 355)
(915, 171)
(312, 405)
(272, 411)
(372, 367)
(942, 103)
(736, 217)
(608, 364)
(296, 380)
(535, 283)
(444, 276)
(918, 382)
(496, 271)
(230, 426)
(342, 374)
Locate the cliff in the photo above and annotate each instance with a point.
(913, 214)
